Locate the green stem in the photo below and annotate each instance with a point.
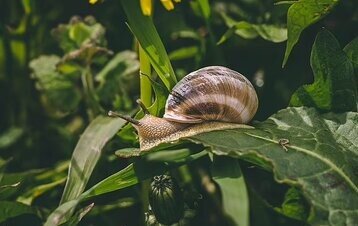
(145, 84)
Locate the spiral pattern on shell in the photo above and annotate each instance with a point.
(212, 93)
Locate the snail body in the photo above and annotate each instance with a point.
(208, 99)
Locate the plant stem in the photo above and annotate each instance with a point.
(145, 84)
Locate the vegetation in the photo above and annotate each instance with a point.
(65, 64)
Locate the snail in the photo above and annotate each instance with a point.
(211, 98)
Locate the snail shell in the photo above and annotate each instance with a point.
(211, 98)
(212, 94)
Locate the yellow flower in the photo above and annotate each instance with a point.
(147, 5)
(93, 1)
(168, 4)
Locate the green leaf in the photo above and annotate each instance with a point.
(184, 53)
(112, 78)
(227, 173)
(78, 33)
(201, 8)
(147, 35)
(3, 164)
(321, 157)
(86, 154)
(10, 136)
(294, 205)
(59, 91)
(77, 217)
(334, 88)
(39, 190)
(246, 30)
(122, 179)
(352, 52)
(128, 176)
(13, 209)
(119, 180)
(62, 213)
(302, 14)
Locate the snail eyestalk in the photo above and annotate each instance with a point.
(127, 118)
(143, 107)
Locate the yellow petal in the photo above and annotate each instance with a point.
(168, 4)
(177, 1)
(146, 6)
(93, 1)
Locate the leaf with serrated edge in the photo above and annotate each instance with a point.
(322, 166)
(321, 156)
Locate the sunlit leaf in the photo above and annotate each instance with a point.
(246, 30)
(87, 154)
(10, 136)
(334, 88)
(184, 53)
(302, 14)
(147, 35)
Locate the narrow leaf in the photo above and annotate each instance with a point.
(148, 37)
(87, 153)
(302, 14)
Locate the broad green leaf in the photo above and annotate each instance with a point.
(321, 157)
(87, 154)
(58, 90)
(12, 209)
(352, 52)
(227, 173)
(302, 14)
(334, 88)
(78, 33)
(147, 35)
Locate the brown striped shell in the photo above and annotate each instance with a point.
(212, 93)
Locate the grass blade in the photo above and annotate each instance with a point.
(148, 37)
(87, 153)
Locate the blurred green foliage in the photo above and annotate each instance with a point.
(63, 64)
